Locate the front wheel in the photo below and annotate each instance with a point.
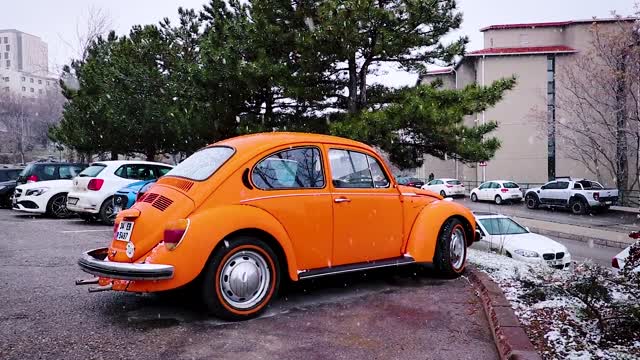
(578, 207)
(532, 202)
(443, 194)
(241, 279)
(451, 249)
(474, 197)
(57, 207)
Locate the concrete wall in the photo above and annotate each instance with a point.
(524, 37)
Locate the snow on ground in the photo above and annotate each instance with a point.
(554, 320)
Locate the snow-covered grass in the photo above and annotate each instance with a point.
(561, 321)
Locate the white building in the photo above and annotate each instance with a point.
(24, 64)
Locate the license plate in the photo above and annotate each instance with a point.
(554, 262)
(124, 231)
(72, 201)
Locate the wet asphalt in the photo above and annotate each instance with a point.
(407, 313)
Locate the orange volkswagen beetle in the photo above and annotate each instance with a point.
(241, 214)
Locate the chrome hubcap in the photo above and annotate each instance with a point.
(244, 279)
(457, 248)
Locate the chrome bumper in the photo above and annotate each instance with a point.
(95, 262)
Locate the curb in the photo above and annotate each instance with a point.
(585, 239)
(510, 338)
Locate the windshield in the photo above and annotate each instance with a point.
(203, 163)
(93, 170)
(502, 226)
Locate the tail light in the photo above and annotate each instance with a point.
(115, 228)
(614, 263)
(32, 178)
(596, 196)
(635, 235)
(410, 184)
(95, 184)
(449, 186)
(174, 232)
(462, 185)
(504, 190)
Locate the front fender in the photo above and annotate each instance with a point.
(206, 230)
(423, 237)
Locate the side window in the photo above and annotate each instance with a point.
(484, 186)
(299, 168)
(65, 172)
(577, 186)
(380, 179)
(49, 172)
(163, 170)
(550, 186)
(139, 172)
(439, 182)
(495, 185)
(349, 169)
(121, 172)
(562, 185)
(75, 170)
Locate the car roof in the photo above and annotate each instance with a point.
(500, 181)
(54, 163)
(488, 215)
(125, 162)
(446, 179)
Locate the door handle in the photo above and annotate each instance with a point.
(341, 200)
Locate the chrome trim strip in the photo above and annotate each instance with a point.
(343, 269)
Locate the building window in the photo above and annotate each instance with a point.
(31, 89)
(40, 91)
(24, 88)
(31, 80)
(8, 47)
(551, 116)
(6, 55)
(6, 79)
(48, 83)
(8, 63)
(39, 82)
(6, 89)
(6, 39)
(23, 79)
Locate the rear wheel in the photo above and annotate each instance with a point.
(241, 279)
(498, 200)
(442, 193)
(57, 207)
(451, 249)
(578, 206)
(532, 201)
(107, 214)
(474, 197)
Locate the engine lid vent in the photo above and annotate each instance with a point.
(162, 203)
(184, 185)
(150, 197)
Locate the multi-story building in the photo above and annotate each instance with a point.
(533, 53)
(24, 64)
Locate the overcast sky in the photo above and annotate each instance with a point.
(55, 21)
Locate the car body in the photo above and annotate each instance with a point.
(245, 212)
(48, 170)
(127, 196)
(578, 195)
(43, 197)
(498, 191)
(95, 186)
(624, 261)
(8, 176)
(410, 181)
(445, 187)
(505, 236)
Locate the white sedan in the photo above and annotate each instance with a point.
(503, 235)
(498, 191)
(445, 187)
(43, 197)
(95, 186)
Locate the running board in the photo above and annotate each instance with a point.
(342, 269)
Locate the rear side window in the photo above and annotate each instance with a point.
(203, 163)
(93, 170)
(510, 185)
(454, 182)
(297, 168)
(494, 185)
(163, 170)
(137, 172)
(66, 172)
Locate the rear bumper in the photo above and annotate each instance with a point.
(95, 262)
(86, 202)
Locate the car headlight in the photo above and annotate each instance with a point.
(36, 191)
(526, 253)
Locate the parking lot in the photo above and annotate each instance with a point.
(402, 314)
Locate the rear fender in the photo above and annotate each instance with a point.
(207, 229)
(424, 233)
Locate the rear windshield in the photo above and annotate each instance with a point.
(454, 182)
(93, 170)
(510, 185)
(502, 226)
(590, 185)
(203, 163)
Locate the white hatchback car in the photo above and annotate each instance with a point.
(43, 197)
(94, 187)
(445, 187)
(498, 191)
(503, 235)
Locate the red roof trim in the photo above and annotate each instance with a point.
(440, 71)
(554, 23)
(523, 50)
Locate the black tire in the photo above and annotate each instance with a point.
(445, 261)
(474, 197)
(250, 250)
(106, 214)
(498, 200)
(57, 207)
(90, 218)
(443, 194)
(578, 207)
(532, 201)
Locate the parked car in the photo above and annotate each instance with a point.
(44, 171)
(498, 191)
(628, 256)
(505, 236)
(94, 187)
(43, 197)
(579, 195)
(410, 181)
(8, 176)
(242, 214)
(445, 187)
(128, 195)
